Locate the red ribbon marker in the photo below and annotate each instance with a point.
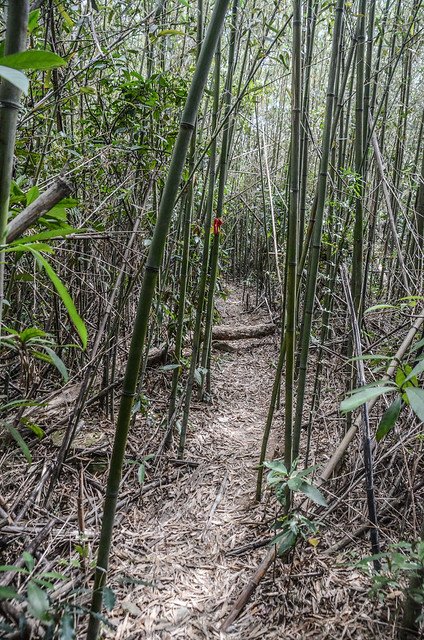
(217, 224)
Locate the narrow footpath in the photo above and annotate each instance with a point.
(177, 545)
(174, 569)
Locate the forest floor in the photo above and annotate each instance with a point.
(177, 560)
(178, 544)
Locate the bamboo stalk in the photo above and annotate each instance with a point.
(292, 233)
(154, 260)
(317, 232)
(16, 37)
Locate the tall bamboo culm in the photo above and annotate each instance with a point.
(145, 301)
(319, 216)
(16, 37)
(292, 231)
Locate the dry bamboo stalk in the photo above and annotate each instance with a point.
(380, 167)
(59, 190)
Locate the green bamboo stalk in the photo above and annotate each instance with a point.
(205, 252)
(223, 163)
(186, 223)
(358, 232)
(319, 216)
(16, 37)
(313, 8)
(154, 260)
(292, 231)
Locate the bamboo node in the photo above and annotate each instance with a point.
(9, 104)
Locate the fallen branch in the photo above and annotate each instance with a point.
(46, 201)
(248, 591)
(224, 332)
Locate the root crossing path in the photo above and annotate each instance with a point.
(172, 553)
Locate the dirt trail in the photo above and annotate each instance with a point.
(171, 569)
(178, 544)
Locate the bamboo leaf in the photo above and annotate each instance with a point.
(7, 593)
(418, 345)
(419, 368)
(51, 234)
(362, 396)
(378, 307)
(58, 363)
(313, 493)
(19, 441)
(169, 32)
(65, 297)
(33, 20)
(389, 418)
(38, 602)
(17, 78)
(141, 474)
(33, 59)
(109, 598)
(416, 400)
(276, 465)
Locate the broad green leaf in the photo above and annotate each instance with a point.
(419, 368)
(31, 332)
(109, 598)
(33, 20)
(419, 344)
(66, 298)
(276, 465)
(400, 376)
(19, 441)
(294, 483)
(313, 493)
(32, 195)
(33, 59)
(416, 400)
(389, 418)
(38, 602)
(285, 542)
(17, 78)
(67, 631)
(363, 396)
(29, 560)
(7, 593)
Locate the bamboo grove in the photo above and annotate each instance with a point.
(153, 156)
